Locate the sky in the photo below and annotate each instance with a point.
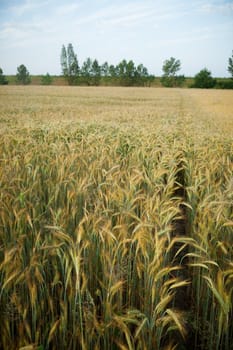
(197, 32)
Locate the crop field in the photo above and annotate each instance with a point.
(116, 218)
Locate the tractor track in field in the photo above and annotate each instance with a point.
(183, 298)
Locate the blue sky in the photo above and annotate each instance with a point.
(198, 32)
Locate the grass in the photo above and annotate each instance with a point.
(89, 200)
(60, 81)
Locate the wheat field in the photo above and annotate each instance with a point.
(116, 218)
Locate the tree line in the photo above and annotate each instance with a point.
(125, 73)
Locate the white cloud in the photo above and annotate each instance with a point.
(131, 14)
(225, 8)
(16, 31)
(27, 7)
(113, 13)
(186, 39)
(67, 9)
(128, 20)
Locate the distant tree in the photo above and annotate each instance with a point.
(170, 69)
(64, 62)
(113, 74)
(113, 71)
(171, 66)
(23, 76)
(91, 72)
(120, 71)
(86, 71)
(3, 80)
(105, 74)
(126, 72)
(204, 80)
(46, 79)
(105, 69)
(224, 83)
(130, 73)
(95, 72)
(69, 64)
(142, 76)
(150, 79)
(230, 65)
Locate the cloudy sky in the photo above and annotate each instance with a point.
(198, 32)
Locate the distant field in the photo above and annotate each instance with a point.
(60, 80)
(193, 107)
(116, 218)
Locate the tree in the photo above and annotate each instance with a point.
(86, 71)
(126, 72)
(64, 63)
(170, 69)
(204, 80)
(96, 72)
(142, 76)
(69, 64)
(130, 73)
(105, 69)
(120, 71)
(113, 74)
(3, 80)
(23, 76)
(91, 72)
(46, 79)
(105, 74)
(112, 71)
(230, 65)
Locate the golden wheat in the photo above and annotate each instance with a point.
(94, 183)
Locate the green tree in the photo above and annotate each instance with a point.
(105, 69)
(120, 71)
(170, 69)
(64, 63)
(91, 72)
(204, 80)
(95, 72)
(142, 76)
(112, 71)
(113, 75)
(23, 76)
(86, 71)
(46, 79)
(105, 74)
(69, 64)
(126, 73)
(3, 80)
(230, 65)
(130, 74)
